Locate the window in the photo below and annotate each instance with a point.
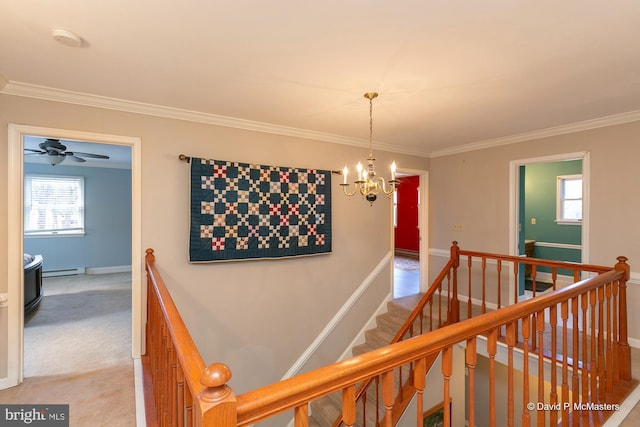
(569, 199)
(53, 205)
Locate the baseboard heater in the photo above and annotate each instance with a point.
(63, 272)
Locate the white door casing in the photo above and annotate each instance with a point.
(15, 316)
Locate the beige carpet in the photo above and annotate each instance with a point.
(78, 350)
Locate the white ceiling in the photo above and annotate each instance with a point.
(449, 73)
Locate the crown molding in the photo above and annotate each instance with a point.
(615, 119)
(80, 98)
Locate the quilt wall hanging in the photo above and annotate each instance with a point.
(243, 211)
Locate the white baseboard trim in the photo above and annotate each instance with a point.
(107, 270)
(333, 323)
(625, 408)
(141, 416)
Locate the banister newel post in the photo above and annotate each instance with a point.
(455, 303)
(149, 255)
(216, 405)
(624, 354)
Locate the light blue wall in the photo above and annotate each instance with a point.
(107, 242)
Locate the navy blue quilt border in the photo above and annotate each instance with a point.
(241, 211)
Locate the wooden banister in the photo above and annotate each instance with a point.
(275, 398)
(187, 390)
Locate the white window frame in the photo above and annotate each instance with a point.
(560, 199)
(54, 232)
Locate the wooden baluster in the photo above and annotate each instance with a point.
(499, 269)
(419, 382)
(534, 337)
(216, 404)
(564, 315)
(511, 342)
(455, 303)
(601, 363)
(608, 344)
(363, 399)
(471, 359)
(584, 302)
(534, 275)
(173, 384)
(180, 396)
(349, 406)
(614, 318)
(553, 395)
(163, 375)
(431, 309)
(526, 416)
(624, 351)
(469, 288)
(377, 400)
(484, 281)
(540, 416)
(188, 408)
(516, 265)
(447, 368)
(388, 397)
(301, 416)
(492, 348)
(593, 369)
(575, 387)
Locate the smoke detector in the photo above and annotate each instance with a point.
(66, 37)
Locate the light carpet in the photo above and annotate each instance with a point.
(78, 350)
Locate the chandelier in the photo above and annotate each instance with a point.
(367, 182)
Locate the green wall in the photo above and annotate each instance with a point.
(540, 203)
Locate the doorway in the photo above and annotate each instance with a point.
(77, 219)
(410, 234)
(537, 226)
(15, 338)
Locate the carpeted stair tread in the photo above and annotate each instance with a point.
(378, 338)
(404, 304)
(390, 322)
(361, 349)
(325, 410)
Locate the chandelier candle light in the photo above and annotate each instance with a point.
(367, 183)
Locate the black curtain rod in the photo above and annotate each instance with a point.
(187, 159)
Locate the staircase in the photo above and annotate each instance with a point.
(326, 411)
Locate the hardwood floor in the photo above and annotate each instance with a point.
(406, 276)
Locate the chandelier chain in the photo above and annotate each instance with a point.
(367, 182)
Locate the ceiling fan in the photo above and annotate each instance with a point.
(56, 152)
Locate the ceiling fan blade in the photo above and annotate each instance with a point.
(74, 158)
(93, 156)
(34, 151)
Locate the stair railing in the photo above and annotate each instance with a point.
(476, 281)
(185, 391)
(599, 353)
